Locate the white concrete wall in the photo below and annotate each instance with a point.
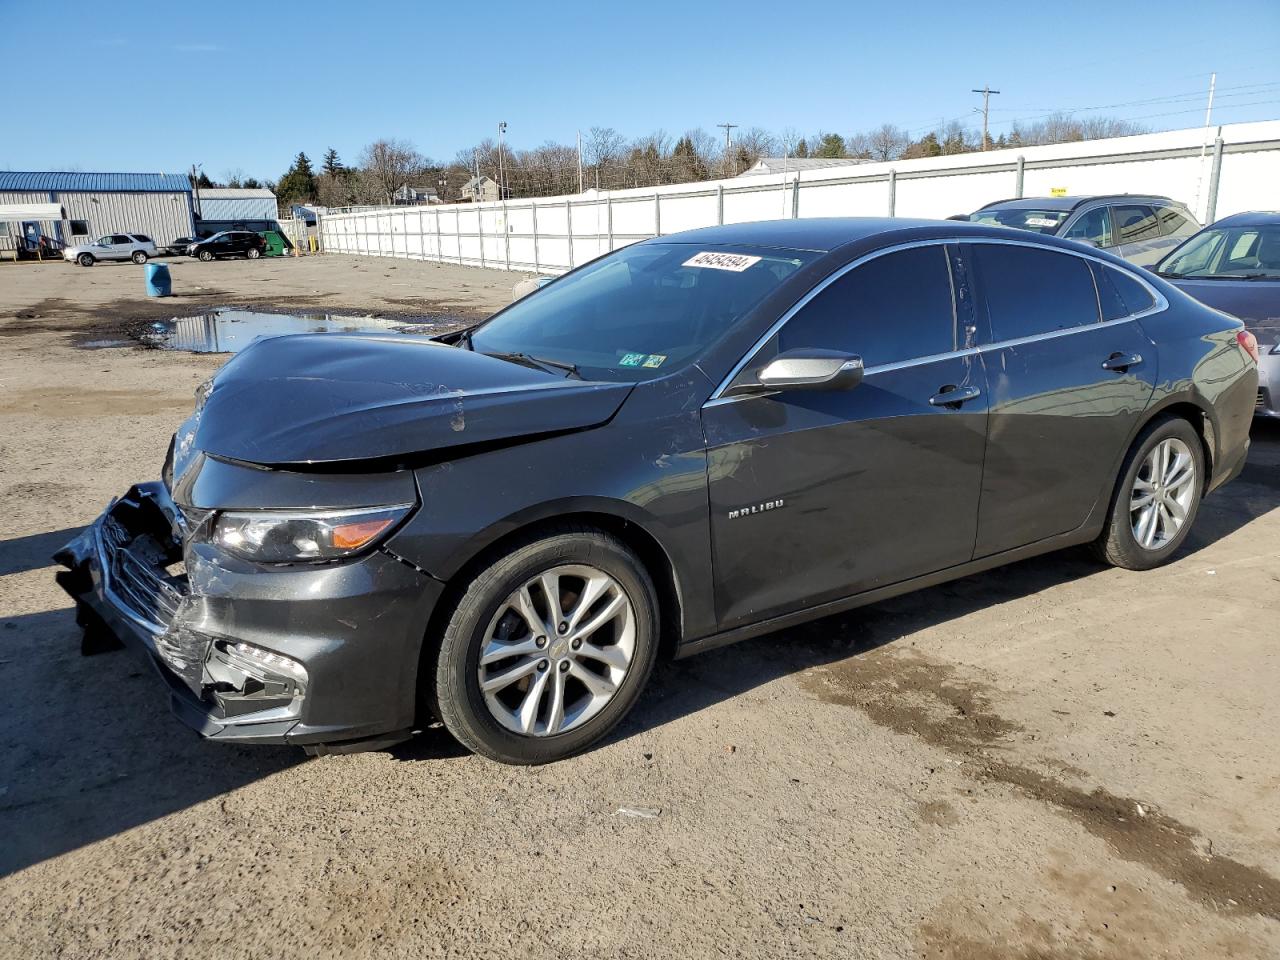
(553, 234)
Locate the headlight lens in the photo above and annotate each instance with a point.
(288, 537)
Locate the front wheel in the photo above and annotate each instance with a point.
(548, 648)
(253, 253)
(138, 257)
(1157, 497)
(85, 260)
(206, 255)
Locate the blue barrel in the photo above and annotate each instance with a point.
(159, 283)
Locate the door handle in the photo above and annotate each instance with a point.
(1121, 362)
(953, 397)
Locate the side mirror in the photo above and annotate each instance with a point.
(806, 369)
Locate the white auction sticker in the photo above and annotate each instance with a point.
(737, 262)
(1041, 222)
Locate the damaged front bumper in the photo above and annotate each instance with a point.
(323, 656)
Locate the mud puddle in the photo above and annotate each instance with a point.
(228, 330)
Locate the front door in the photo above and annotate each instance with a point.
(1066, 385)
(821, 495)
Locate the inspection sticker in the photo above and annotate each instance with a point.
(655, 360)
(736, 262)
(632, 359)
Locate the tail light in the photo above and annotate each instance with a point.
(1248, 343)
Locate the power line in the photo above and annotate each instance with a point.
(986, 92)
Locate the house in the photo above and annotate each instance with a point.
(53, 208)
(481, 189)
(792, 164)
(410, 196)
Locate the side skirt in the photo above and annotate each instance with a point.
(1080, 535)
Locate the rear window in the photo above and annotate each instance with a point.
(1175, 222)
(1136, 297)
(1135, 224)
(1038, 221)
(1031, 291)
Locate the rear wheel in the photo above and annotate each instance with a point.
(253, 253)
(1157, 497)
(548, 649)
(86, 260)
(138, 257)
(206, 255)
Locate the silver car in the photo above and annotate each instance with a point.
(112, 246)
(1140, 228)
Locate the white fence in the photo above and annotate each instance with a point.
(1233, 168)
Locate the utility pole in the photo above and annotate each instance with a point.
(579, 161)
(986, 92)
(727, 144)
(502, 180)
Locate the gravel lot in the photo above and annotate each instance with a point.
(1053, 760)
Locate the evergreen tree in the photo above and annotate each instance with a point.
(831, 147)
(299, 182)
(802, 149)
(331, 164)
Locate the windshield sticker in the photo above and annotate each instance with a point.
(632, 359)
(736, 262)
(655, 360)
(1041, 222)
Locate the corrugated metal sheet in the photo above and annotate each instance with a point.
(94, 182)
(236, 208)
(161, 216)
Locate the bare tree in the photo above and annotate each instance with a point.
(389, 164)
(887, 142)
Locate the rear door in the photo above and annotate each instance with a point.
(821, 495)
(1066, 387)
(122, 246)
(1137, 233)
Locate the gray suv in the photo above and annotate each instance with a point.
(1142, 229)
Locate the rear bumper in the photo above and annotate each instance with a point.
(309, 654)
(1268, 402)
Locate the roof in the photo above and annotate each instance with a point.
(1252, 218)
(781, 164)
(236, 193)
(1065, 203)
(73, 182)
(477, 181)
(826, 234)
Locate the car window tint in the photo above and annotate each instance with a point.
(1134, 224)
(1093, 225)
(1031, 291)
(1109, 299)
(1243, 246)
(1175, 222)
(120, 238)
(1136, 297)
(141, 238)
(895, 307)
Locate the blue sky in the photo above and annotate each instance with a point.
(245, 86)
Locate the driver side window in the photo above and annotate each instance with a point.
(895, 307)
(1094, 226)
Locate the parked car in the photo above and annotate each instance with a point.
(112, 246)
(179, 246)
(228, 243)
(689, 441)
(1234, 266)
(1142, 229)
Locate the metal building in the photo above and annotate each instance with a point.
(235, 204)
(158, 205)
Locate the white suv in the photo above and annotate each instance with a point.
(113, 246)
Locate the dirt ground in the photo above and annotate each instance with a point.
(1053, 760)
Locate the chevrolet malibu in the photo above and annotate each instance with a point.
(693, 440)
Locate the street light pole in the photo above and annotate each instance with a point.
(502, 179)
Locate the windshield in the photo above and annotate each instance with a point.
(642, 311)
(1037, 221)
(1227, 253)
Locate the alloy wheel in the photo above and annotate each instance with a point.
(1162, 494)
(557, 650)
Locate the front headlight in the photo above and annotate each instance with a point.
(295, 537)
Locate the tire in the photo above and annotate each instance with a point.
(138, 257)
(205, 255)
(86, 260)
(555, 669)
(253, 253)
(1137, 538)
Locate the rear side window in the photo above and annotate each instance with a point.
(1136, 223)
(1175, 222)
(1030, 291)
(1094, 226)
(1136, 297)
(893, 308)
(120, 238)
(141, 238)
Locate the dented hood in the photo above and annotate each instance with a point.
(317, 398)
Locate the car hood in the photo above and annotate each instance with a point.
(1255, 302)
(327, 398)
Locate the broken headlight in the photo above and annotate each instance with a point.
(288, 537)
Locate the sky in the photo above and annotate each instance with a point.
(244, 87)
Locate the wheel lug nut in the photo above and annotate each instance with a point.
(576, 644)
(542, 665)
(540, 642)
(563, 628)
(564, 666)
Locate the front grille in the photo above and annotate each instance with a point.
(1261, 402)
(139, 577)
